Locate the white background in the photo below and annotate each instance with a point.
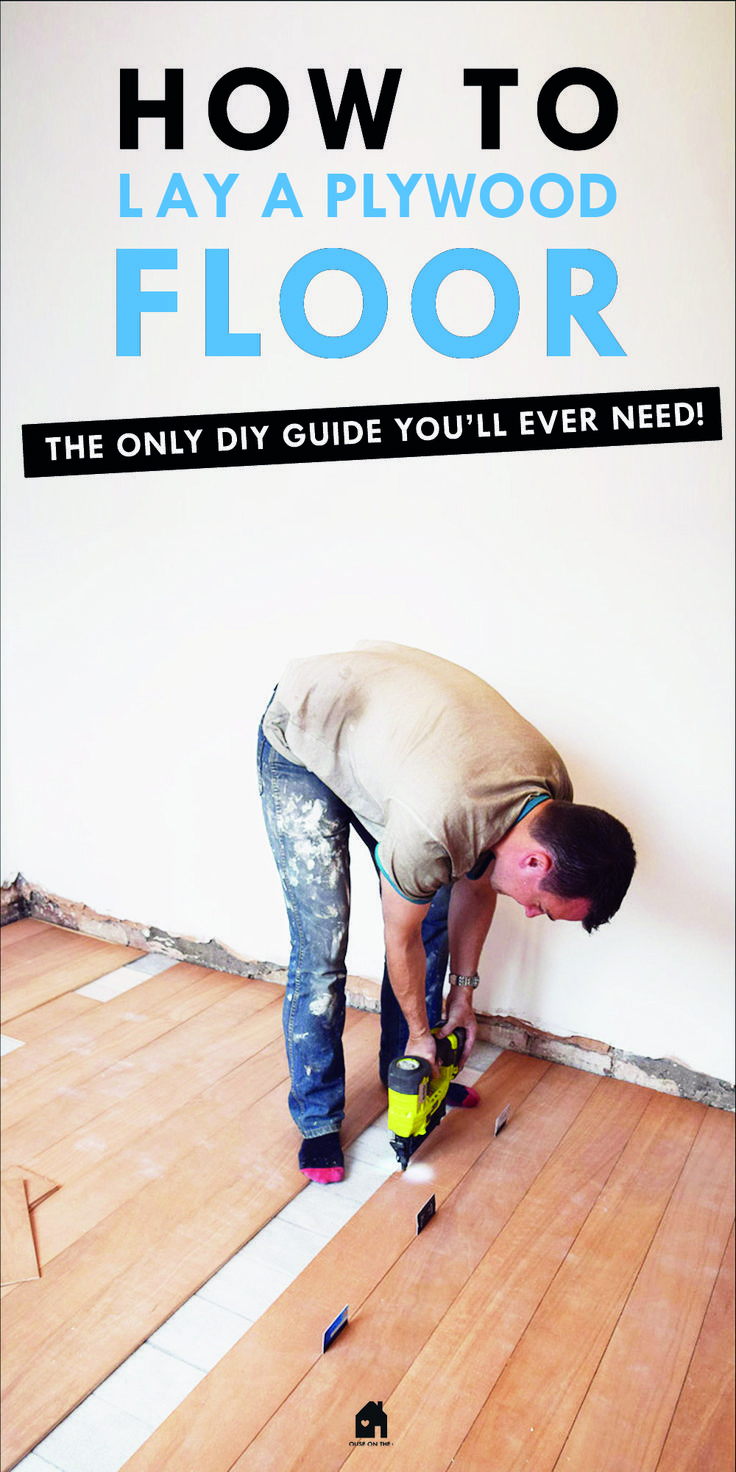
(147, 618)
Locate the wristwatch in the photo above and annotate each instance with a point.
(471, 981)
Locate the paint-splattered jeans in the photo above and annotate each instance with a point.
(308, 829)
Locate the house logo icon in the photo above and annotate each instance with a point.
(370, 1421)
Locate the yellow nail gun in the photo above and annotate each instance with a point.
(416, 1101)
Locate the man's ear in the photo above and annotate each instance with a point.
(537, 858)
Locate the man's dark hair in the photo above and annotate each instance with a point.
(593, 856)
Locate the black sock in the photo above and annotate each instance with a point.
(321, 1153)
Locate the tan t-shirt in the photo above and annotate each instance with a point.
(433, 761)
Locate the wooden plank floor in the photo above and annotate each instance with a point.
(567, 1307)
(36, 968)
(161, 1115)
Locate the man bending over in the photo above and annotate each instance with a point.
(459, 800)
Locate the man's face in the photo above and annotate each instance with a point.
(521, 879)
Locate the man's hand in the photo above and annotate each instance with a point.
(472, 906)
(424, 1046)
(459, 1013)
(402, 923)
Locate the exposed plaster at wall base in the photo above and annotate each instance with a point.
(21, 899)
(666, 1075)
(12, 903)
(37, 904)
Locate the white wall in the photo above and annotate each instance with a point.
(148, 617)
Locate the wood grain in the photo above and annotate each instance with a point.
(466, 1354)
(20, 930)
(216, 1422)
(64, 1096)
(37, 968)
(17, 1249)
(171, 997)
(29, 1025)
(418, 1298)
(569, 1307)
(116, 1283)
(37, 1187)
(623, 1422)
(702, 1433)
(530, 1411)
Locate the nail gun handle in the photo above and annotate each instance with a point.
(406, 1075)
(450, 1049)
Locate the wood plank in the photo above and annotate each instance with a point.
(153, 1128)
(42, 967)
(110, 1290)
(623, 1422)
(28, 1026)
(38, 1187)
(702, 1436)
(552, 1366)
(20, 930)
(167, 999)
(133, 1097)
(174, 994)
(114, 1178)
(17, 1249)
(469, 1349)
(213, 1425)
(40, 946)
(569, 1132)
(42, 1111)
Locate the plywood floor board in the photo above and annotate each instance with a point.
(577, 1278)
(19, 930)
(73, 1023)
(226, 1121)
(114, 1286)
(151, 1150)
(164, 1077)
(168, 999)
(39, 969)
(44, 941)
(38, 1187)
(84, 1085)
(17, 1249)
(216, 1422)
(624, 1420)
(702, 1432)
(531, 1409)
(31, 1026)
(465, 1355)
(417, 1296)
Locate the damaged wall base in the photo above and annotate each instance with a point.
(22, 899)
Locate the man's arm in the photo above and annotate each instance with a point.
(472, 907)
(402, 925)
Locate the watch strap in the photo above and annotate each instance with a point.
(457, 979)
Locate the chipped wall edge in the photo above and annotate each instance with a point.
(23, 900)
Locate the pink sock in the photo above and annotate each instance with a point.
(325, 1175)
(321, 1159)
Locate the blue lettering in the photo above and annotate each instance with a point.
(131, 301)
(562, 305)
(424, 303)
(219, 341)
(282, 185)
(373, 315)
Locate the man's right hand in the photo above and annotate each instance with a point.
(423, 1045)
